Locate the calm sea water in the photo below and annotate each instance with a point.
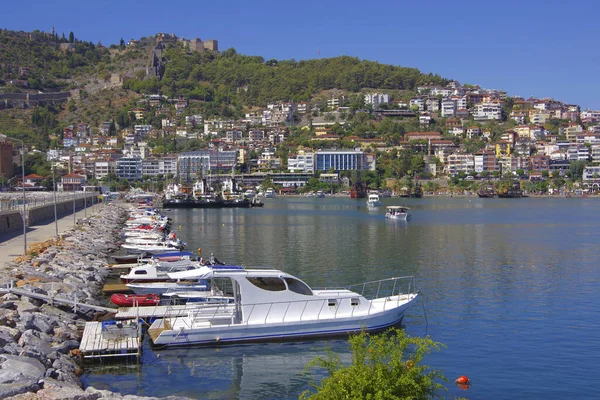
(510, 286)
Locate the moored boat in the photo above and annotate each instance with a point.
(273, 305)
(133, 300)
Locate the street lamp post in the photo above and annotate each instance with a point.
(54, 191)
(23, 188)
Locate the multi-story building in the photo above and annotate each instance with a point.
(154, 166)
(375, 99)
(198, 163)
(418, 102)
(486, 161)
(103, 168)
(539, 163)
(342, 160)
(302, 162)
(129, 168)
(432, 104)
(488, 111)
(71, 183)
(233, 136)
(448, 108)
(460, 162)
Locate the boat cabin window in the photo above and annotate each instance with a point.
(140, 272)
(297, 286)
(272, 284)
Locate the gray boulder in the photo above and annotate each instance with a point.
(19, 375)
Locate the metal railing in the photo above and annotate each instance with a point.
(392, 292)
(14, 201)
(380, 288)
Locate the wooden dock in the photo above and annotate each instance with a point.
(111, 339)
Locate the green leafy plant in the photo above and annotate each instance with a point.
(384, 366)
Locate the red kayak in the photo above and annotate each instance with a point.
(132, 300)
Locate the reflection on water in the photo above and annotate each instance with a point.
(509, 285)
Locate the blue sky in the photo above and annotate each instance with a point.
(528, 47)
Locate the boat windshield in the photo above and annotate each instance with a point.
(272, 284)
(297, 286)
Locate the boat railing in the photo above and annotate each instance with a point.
(380, 288)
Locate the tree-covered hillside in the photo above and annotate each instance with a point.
(250, 80)
(37, 58)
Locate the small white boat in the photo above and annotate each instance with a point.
(269, 193)
(155, 247)
(273, 305)
(397, 212)
(374, 200)
(320, 194)
(156, 271)
(250, 193)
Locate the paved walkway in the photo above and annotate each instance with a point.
(11, 244)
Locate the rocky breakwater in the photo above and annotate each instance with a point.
(39, 342)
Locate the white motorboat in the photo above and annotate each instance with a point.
(270, 193)
(320, 194)
(154, 247)
(374, 200)
(156, 271)
(397, 212)
(273, 305)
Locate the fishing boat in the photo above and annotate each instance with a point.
(374, 200)
(397, 212)
(133, 300)
(270, 305)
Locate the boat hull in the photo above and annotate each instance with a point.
(226, 332)
(128, 300)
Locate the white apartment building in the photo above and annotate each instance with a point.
(417, 101)
(302, 162)
(456, 163)
(487, 111)
(376, 99)
(448, 108)
(432, 104)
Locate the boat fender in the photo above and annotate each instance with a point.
(462, 380)
(199, 250)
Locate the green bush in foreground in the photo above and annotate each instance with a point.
(384, 366)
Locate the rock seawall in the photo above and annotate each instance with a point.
(39, 342)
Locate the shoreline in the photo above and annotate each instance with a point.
(39, 357)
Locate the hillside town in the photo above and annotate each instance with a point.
(456, 130)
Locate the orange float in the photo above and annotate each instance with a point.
(462, 380)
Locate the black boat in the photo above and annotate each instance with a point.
(513, 191)
(214, 202)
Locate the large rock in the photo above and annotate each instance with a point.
(19, 375)
(35, 344)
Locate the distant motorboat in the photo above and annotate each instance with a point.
(397, 212)
(374, 200)
(269, 193)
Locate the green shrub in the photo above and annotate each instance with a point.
(384, 366)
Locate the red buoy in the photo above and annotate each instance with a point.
(462, 380)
